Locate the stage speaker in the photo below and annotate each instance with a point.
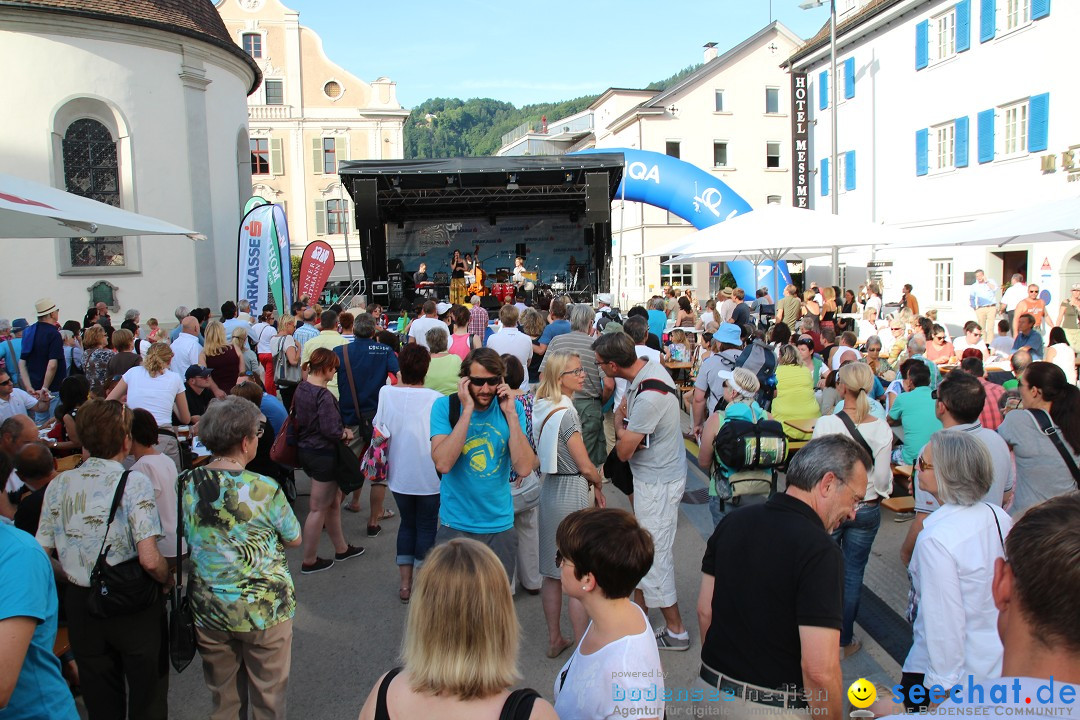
(597, 198)
(365, 196)
(521, 251)
(490, 302)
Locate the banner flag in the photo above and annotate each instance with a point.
(284, 253)
(315, 268)
(253, 255)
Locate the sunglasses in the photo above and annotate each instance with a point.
(560, 559)
(1033, 292)
(9, 381)
(923, 465)
(489, 381)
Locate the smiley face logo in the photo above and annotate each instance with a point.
(862, 693)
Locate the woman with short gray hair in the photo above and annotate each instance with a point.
(952, 568)
(237, 524)
(444, 371)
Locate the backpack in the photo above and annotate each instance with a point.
(760, 360)
(744, 445)
(610, 315)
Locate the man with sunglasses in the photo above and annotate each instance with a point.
(477, 436)
(16, 401)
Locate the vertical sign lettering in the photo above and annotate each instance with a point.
(800, 134)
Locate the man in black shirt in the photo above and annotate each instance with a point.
(197, 389)
(34, 463)
(776, 639)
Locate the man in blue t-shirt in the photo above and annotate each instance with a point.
(42, 366)
(557, 325)
(475, 455)
(28, 611)
(371, 362)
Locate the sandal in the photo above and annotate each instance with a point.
(556, 650)
(404, 594)
(352, 508)
(386, 514)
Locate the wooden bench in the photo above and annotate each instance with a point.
(901, 504)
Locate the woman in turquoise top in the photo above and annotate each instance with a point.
(739, 391)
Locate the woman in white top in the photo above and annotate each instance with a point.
(1059, 352)
(603, 553)
(404, 415)
(162, 473)
(289, 368)
(952, 568)
(855, 381)
(152, 386)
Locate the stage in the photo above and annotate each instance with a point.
(552, 211)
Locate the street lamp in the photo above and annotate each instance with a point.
(833, 184)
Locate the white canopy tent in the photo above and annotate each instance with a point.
(777, 232)
(32, 210)
(758, 258)
(1054, 220)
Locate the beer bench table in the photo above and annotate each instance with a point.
(903, 503)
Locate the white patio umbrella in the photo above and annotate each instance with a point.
(757, 257)
(32, 210)
(1054, 220)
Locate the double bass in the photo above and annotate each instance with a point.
(477, 286)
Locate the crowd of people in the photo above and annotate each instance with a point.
(497, 435)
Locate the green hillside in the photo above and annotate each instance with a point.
(450, 127)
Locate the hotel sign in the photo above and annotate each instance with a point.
(1070, 163)
(800, 137)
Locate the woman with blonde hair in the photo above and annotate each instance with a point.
(286, 361)
(855, 381)
(95, 347)
(811, 311)
(567, 474)
(252, 367)
(461, 644)
(794, 392)
(225, 363)
(828, 309)
(154, 387)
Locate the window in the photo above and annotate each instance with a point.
(720, 101)
(329, 156)
(719, 154)
(1017, 13)
(253, 44)
(332, 89)
(91, 170)
(942, 280)
(671, 147)
(772, 200)
(275, 92)
(1014, 122)
(772, 154)
(772, 101)
(943, 28)
(337, 217)
(633, 270)
(260, 156)
(944, 147)
(682, 274)
(841, 172)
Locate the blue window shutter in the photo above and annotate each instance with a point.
(922, 44)
(849, 170)
(987, 20)
(922, 148)
(986, 136)
(824, 176)
(823, 89)
(849, 78)
(1038, 122)
(963, 25)
(961, 151)
(1039, 9)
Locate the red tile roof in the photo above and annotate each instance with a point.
(194, 18)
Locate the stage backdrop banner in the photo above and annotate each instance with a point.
(254, 247)
(551, 244)
(315, 268)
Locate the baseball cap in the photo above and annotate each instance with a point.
(443, 308)
(194, 371)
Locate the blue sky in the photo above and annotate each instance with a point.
(527, 52)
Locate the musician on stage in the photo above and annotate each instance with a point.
(518, 277)
(420, 275)
(457, 279)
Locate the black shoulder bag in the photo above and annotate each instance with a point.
(853, 430)
(122, 589)
(1042, 418)
(181, 621)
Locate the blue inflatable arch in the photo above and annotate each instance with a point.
(697, 197)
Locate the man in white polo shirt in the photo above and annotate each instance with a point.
(16, 401)
(511, 340)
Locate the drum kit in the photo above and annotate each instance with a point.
(573, 282)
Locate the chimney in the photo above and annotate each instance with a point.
(710, 51)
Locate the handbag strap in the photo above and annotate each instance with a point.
(352, 385)
(117, 497)
(550, 415)
(857, 436)
(997, 522)
(1042, 419)
(519, 704)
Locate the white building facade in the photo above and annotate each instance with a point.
(948, 111)
(146, 111)
(730, 118)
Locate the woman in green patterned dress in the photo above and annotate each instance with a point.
(237, 524)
